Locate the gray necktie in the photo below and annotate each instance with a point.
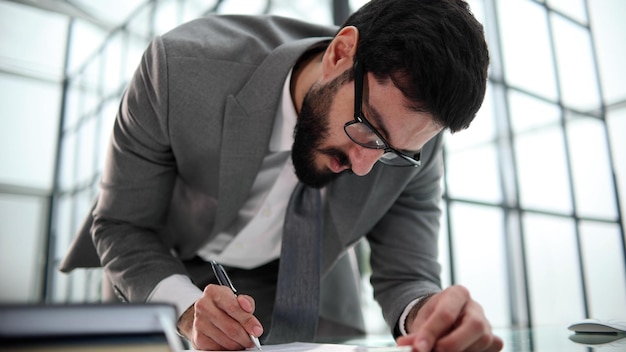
(296, 307)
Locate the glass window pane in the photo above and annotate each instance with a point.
(313, 11)
(573, 8)
(111, 12)
(22, 224)
(91, 81)
(604, 270)
(135, 48)
(473, 174)
(73, 104)
(609, 34)
(140, 24)
(528, 113)
(575, 64)
(542, 171)
(479, 263)
(63, 235)
(85, 40)
(168, 15)
(194, 8)
(86, 151)
(526, 49)
(78, 286)
(482, 130)
(94, 285)
(112, 75)
(473, 149)
(32, 41)
(515, 258)
(84, 285)
(616, 121)
(29, 120)
(60, 288)
(242, 7)
(553, 270)
(63, 227)
(67, 173)
(593, 184)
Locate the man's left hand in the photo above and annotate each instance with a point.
(450, 321)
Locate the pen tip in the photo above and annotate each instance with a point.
(257, 343)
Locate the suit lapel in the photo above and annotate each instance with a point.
(348, 199)
(245, 139)
(248, 120)
(356, 204)
(348, 196)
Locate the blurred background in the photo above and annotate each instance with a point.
(535, 190)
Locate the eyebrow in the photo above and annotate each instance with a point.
(380, 125)
(375, 115)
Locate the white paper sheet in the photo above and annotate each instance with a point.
(317, 347)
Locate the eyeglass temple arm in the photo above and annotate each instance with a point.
(358, 88)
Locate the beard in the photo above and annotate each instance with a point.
(312, 129)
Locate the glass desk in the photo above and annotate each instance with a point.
(540, 339)
(556, 339)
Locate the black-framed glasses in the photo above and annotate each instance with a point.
(361, 131)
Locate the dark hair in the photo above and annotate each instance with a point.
(434, 51)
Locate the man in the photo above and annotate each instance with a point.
(199, 166)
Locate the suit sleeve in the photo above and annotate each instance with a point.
(137, 184)
(404, 242)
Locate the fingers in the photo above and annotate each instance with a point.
(439, 316)
(246, 303)
(223, 321)
(451, 321)
(251, 323)
(496, 345)
(472, 332)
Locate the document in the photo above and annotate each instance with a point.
(323, 347)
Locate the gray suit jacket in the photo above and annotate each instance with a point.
(189, 139)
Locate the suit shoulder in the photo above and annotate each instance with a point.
(228, 36)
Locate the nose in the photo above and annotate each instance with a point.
(363, 159)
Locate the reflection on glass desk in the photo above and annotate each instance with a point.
(540, 339)
(549, 339)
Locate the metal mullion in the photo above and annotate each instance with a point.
(603, 112)
(565, 16)
(51, 238)
(447, 200)
(511, 202)
(568, 162)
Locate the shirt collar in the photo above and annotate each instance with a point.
(285, 121)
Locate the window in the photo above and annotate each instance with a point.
(534, 189)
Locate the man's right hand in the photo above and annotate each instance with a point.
(220, 320)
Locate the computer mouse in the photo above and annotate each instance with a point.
(599, 326)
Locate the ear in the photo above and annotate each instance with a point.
(339, 55)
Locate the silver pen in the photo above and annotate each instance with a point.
(224, 280)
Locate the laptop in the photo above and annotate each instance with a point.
(89, 327)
